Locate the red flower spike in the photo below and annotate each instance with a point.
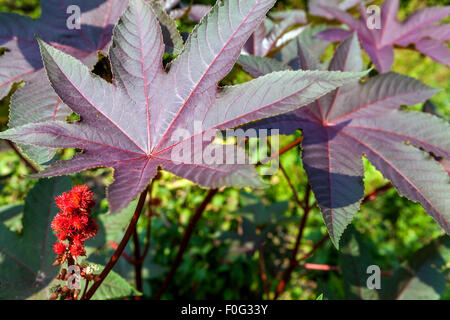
(74, 223)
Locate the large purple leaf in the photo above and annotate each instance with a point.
(149, 116)
(363, 118)
(417, 29)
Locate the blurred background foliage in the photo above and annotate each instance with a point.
(223, 258)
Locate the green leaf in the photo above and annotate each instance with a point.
(10, 211)
(26, 259)
(11, 216)
(354, 260)
(113, 287)
(420, 277)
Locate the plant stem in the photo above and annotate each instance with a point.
(291, 185)
(314, 249)
(85, 290)
(286, 176)
(326, 267)
(137, 259)
(320, 267)
(290, 146)
(263, 274)
(288, 272)
(129, 259)
(149, 225)
(115, 257)
(293, 260)
(378, 191)
(27, 162)
(185, 241)
(138, 256)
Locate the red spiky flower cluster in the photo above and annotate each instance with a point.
(73, 225)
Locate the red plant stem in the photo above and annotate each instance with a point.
(263, 274)
(116, 255)
(291, 185)
(307, 210)
(321, 267)
(185, 241)
(27, 162)
(326, 267)
(379, 191)
(85, 290)
(129, 259)
(138, 262)
(149, 230)
(316, 246)
(290, 146)
(138, 257)
(149, 225)
(293, 260)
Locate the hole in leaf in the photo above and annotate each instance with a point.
(3, 50)
(73, 117)
(168, 58)
(103, 67)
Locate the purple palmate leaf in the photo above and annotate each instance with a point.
(363, 119)
(417, 29)
(148, 117)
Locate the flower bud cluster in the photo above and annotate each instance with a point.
(73, 225)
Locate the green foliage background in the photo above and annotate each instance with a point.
(216, 265)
